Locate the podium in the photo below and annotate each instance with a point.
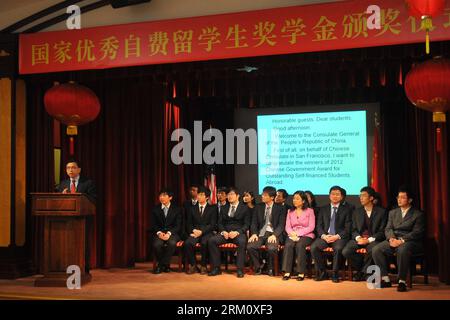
(65, 235)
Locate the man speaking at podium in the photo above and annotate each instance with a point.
(77, 183)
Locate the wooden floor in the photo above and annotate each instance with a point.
(139, 283)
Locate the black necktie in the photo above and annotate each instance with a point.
(201, 210)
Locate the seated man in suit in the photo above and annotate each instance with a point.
(404, 233)
(77, 183)
(233, 223)
(165, 229)
(368, 223)
(266, 228)
(333, 229)
(201, 222)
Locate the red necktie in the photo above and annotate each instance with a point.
(73, 188)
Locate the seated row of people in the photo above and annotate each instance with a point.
(337, 225)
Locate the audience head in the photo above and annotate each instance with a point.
(233, 195)
(405, 197)
(300, 200)
(268, 194)
(336, 195)
(193, 191)
(249, 198)
(203, 195)
(222, 194)
(366, 196)
(165, 196)
(311, 199)
(281, 196)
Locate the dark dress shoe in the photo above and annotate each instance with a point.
(203, 270)
(321, 276)
(270, 273)
(166, 269)
(157, 270)
(300, 278)
(385, 284)
(286, 277)
(335, 278)
(240, 273)
(259, 271)
(191, 270)
(215, 272)
(401, 287)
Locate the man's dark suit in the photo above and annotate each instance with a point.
(343, 222)
(172, 223)
(378, 220)
(207, 223)
(411, 229)
(85, 186)
(240, 223)
(278, 221)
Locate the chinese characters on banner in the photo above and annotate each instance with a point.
(330, 26)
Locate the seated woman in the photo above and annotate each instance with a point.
(300, 224)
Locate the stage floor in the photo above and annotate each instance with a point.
(139, 283)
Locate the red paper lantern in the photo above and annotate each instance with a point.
(73, 105)
(425, 10)
(427, 85)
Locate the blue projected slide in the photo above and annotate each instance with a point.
(313, 151)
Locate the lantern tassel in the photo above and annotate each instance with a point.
(427, 25)
(71, 146)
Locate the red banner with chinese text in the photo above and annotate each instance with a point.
(318, 27)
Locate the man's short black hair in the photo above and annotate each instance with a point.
(370, 191)
(166, 191)
(283, 192)
(222, 189)
(271, 191)
(334, 188)
(194, 185)
(74, 161)
(408, 192)
(204, 190)
(235, 190)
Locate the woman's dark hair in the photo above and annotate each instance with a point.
(253, 202)
(302, 195)
(313, 202)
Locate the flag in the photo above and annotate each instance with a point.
(210, 183)
(378, 181)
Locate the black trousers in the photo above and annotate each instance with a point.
(253, 249)
(297, 248)
(189, 248)
(164, 250)
(404, 252)
(319, 256)
(214, 251)
(359, 261)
